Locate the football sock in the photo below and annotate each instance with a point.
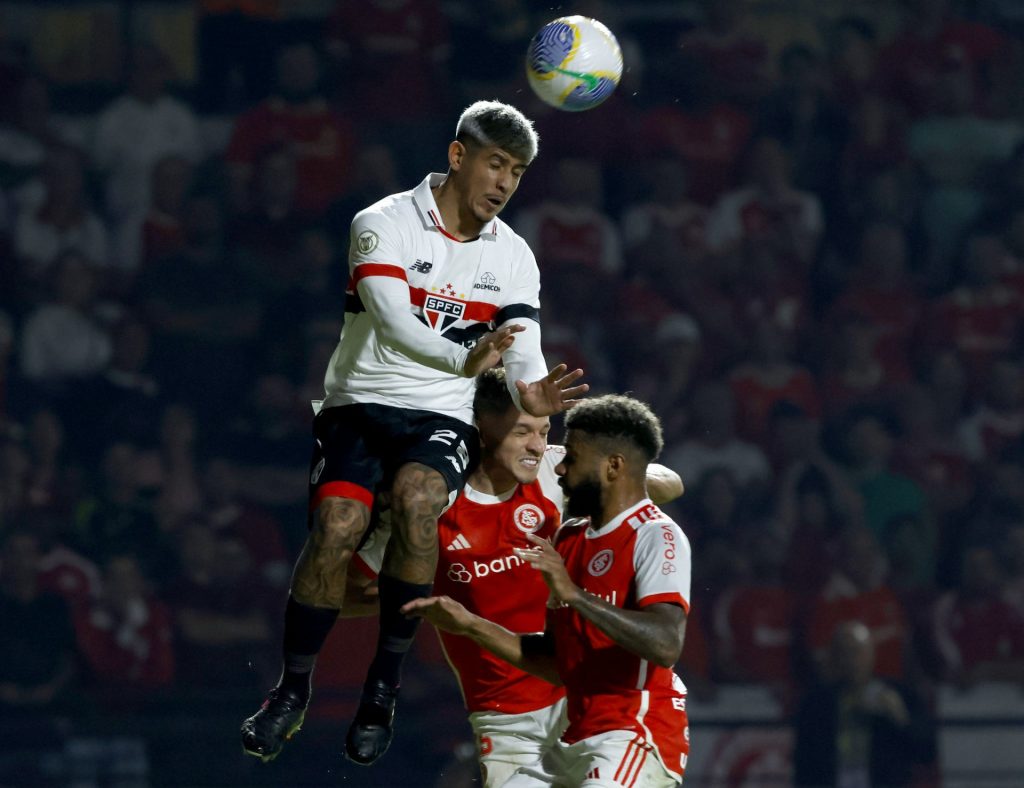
(305, 630)
(396, 631)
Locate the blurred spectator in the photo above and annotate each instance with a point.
(858, 591)
(934, 38)
(998, 420)
(265, 236)
(54, 481)
(138, 129)
(156, 230)
(62, 340)
(14, 477)
(767, 216)
(221, 615)
(203, 306)
(62, 223)
(122, 402)
(704, 130)
(712, 442)
(232, 38)
(126, 636)
(979, 634)
(297, 118)
(7, 343)
(268, 443)
(489, 57)
(855, 729)
(869, 438)
(62, 570)
(853, 374)
(957, 150)
(385, 49)
(665, 230)
(882, 293)
(753, 618)
(231, 516)
(853, 58)
(27, 133)
(37, 652)
(931, 453)
(118, 519)
(737, 62)
(175, 467)
(375, 174)
(768, 377)
(800, 113)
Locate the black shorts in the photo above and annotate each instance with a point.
(357, 447)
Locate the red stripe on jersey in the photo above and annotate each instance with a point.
(672, 599)
(626, 764)
(440, 227)
(341, 490)
(376, 269)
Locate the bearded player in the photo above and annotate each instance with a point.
(516, 717)
(619, 587)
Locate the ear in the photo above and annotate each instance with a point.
(456, 155)
(616, 467)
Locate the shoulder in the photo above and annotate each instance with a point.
(513, 241)
(393, 211)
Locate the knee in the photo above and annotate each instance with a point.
(419, 490)
(340, 522)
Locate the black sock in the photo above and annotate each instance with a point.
(305, 630)
(396, 631)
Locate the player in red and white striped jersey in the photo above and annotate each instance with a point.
(619, 596)
(516, 717)
(440, 290)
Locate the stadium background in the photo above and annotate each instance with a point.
(797, 229)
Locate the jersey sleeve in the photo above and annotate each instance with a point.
(549, 479)
(377, 274)
(524, 360)
(661, 560)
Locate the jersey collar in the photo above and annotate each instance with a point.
(423, 199)
(617, 520)
(474, 495)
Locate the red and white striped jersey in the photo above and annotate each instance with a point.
(477, 567)
(639, 558)
(418, 298)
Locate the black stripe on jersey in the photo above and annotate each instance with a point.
(513, 311)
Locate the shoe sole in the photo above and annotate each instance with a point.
(268, 757)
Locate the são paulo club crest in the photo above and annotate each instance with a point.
(601, 563)
(441, 309)
(528, 518)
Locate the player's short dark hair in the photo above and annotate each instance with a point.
(619, 419)
(494, 123)
(492, 394)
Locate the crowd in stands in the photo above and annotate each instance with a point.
(801, 242)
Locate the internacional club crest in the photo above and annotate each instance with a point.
(528, 518)
(601, 563)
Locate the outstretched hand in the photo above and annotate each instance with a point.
(486, 353)
(442, 611)
(553, 393)
(548, 561)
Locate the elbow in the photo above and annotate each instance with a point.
(669, 653)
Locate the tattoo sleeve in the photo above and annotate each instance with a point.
(655, 633)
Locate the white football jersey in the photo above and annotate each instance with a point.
(418, 299)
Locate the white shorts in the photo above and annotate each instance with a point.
(507, 742)
(616, 759)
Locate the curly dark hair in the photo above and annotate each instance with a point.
(619, 418)
(492, 394)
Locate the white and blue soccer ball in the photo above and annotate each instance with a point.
(574, 63)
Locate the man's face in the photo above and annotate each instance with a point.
(580, 472)
(513, 444)
(490, 176)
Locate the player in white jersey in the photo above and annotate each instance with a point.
(619, 584)
(515, 717)
(440, 290)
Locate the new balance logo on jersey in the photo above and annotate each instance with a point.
(460, 542)
(421, 266)
(487, 283)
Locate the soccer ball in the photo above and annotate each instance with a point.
(574, 63)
